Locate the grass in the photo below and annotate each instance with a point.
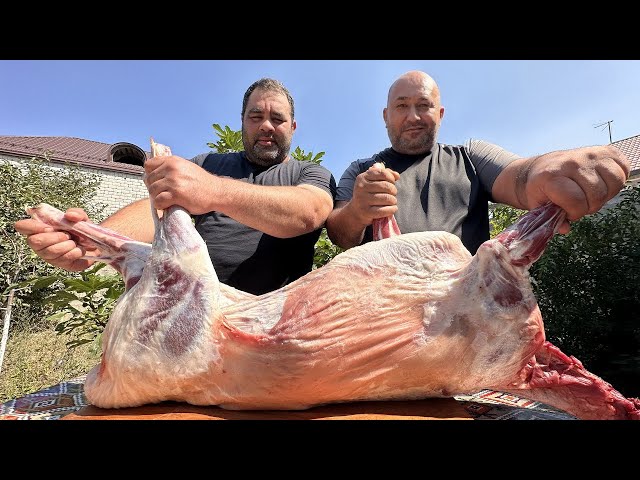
(39, 359)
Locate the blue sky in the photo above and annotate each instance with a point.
(527, 106)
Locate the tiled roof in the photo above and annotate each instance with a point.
(67, 149)
(631, 148)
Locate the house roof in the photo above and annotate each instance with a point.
(69, 149)
(631, 148)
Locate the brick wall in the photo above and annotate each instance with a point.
(116, 189)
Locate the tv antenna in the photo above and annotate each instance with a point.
(608, 124)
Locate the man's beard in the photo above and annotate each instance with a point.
(263, 155)
(414, 146)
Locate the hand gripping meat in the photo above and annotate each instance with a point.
(411, 316)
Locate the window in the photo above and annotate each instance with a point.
(127, 153)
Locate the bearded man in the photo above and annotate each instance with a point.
(259, 211)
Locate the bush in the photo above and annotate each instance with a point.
(35, 357)
(33, 182)
(587, 288)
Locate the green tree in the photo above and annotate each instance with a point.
(300, 154)
(231, 141)
(502, 216)
(587, 283)
(84, 306)
(29, 183)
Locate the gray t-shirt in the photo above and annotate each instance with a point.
(448, 190)
(249, 259)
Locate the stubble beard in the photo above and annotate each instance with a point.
(422, 144)
(265, 156)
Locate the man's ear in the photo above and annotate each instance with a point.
(441, 112)
(384, 115)
(294, 125)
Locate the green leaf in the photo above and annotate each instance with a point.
(44, 282)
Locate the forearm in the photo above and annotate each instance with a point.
(509, 186)
(133, 221)
(282, 212)
(344, 228)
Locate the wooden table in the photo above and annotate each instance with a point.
(429, 409)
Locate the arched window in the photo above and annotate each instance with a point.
(128, 153)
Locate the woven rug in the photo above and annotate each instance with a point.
(50, 403)
(67, 397)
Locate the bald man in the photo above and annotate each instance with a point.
(433, 186)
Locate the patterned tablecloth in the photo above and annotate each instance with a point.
(67, 397)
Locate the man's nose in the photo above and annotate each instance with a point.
(266, 126)
(413, 114)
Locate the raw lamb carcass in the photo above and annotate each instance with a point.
(407, 317)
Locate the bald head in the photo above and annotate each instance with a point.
(413, 113)
(414, 80)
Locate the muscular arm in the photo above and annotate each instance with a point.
(282, 212)
(344, 226)
(134, 221)
(278, 211)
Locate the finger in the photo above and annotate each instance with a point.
(381, 199)
(374, 174)
(382, 212)
(154, 170)
(41, 241)
(57, 250)
(76, 215)
(153, 163)
(381, 186)
(367, 185)
(30, 226)
(567, 194)
(620, 159)
(599, 184)
(151, 177)
(72, 260)
(614, 178)
(158, 186)
(593, 187)
(70, 256)
(162, 200)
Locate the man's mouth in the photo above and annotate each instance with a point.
(266, 141)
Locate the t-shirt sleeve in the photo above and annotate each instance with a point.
(489, 161)
(347, 181)
(318, 176)
(199, 159)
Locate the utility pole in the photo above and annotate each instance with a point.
(606, 123)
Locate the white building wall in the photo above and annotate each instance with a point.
(118, 189)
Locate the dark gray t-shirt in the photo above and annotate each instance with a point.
(248, 259)
(447, 190)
